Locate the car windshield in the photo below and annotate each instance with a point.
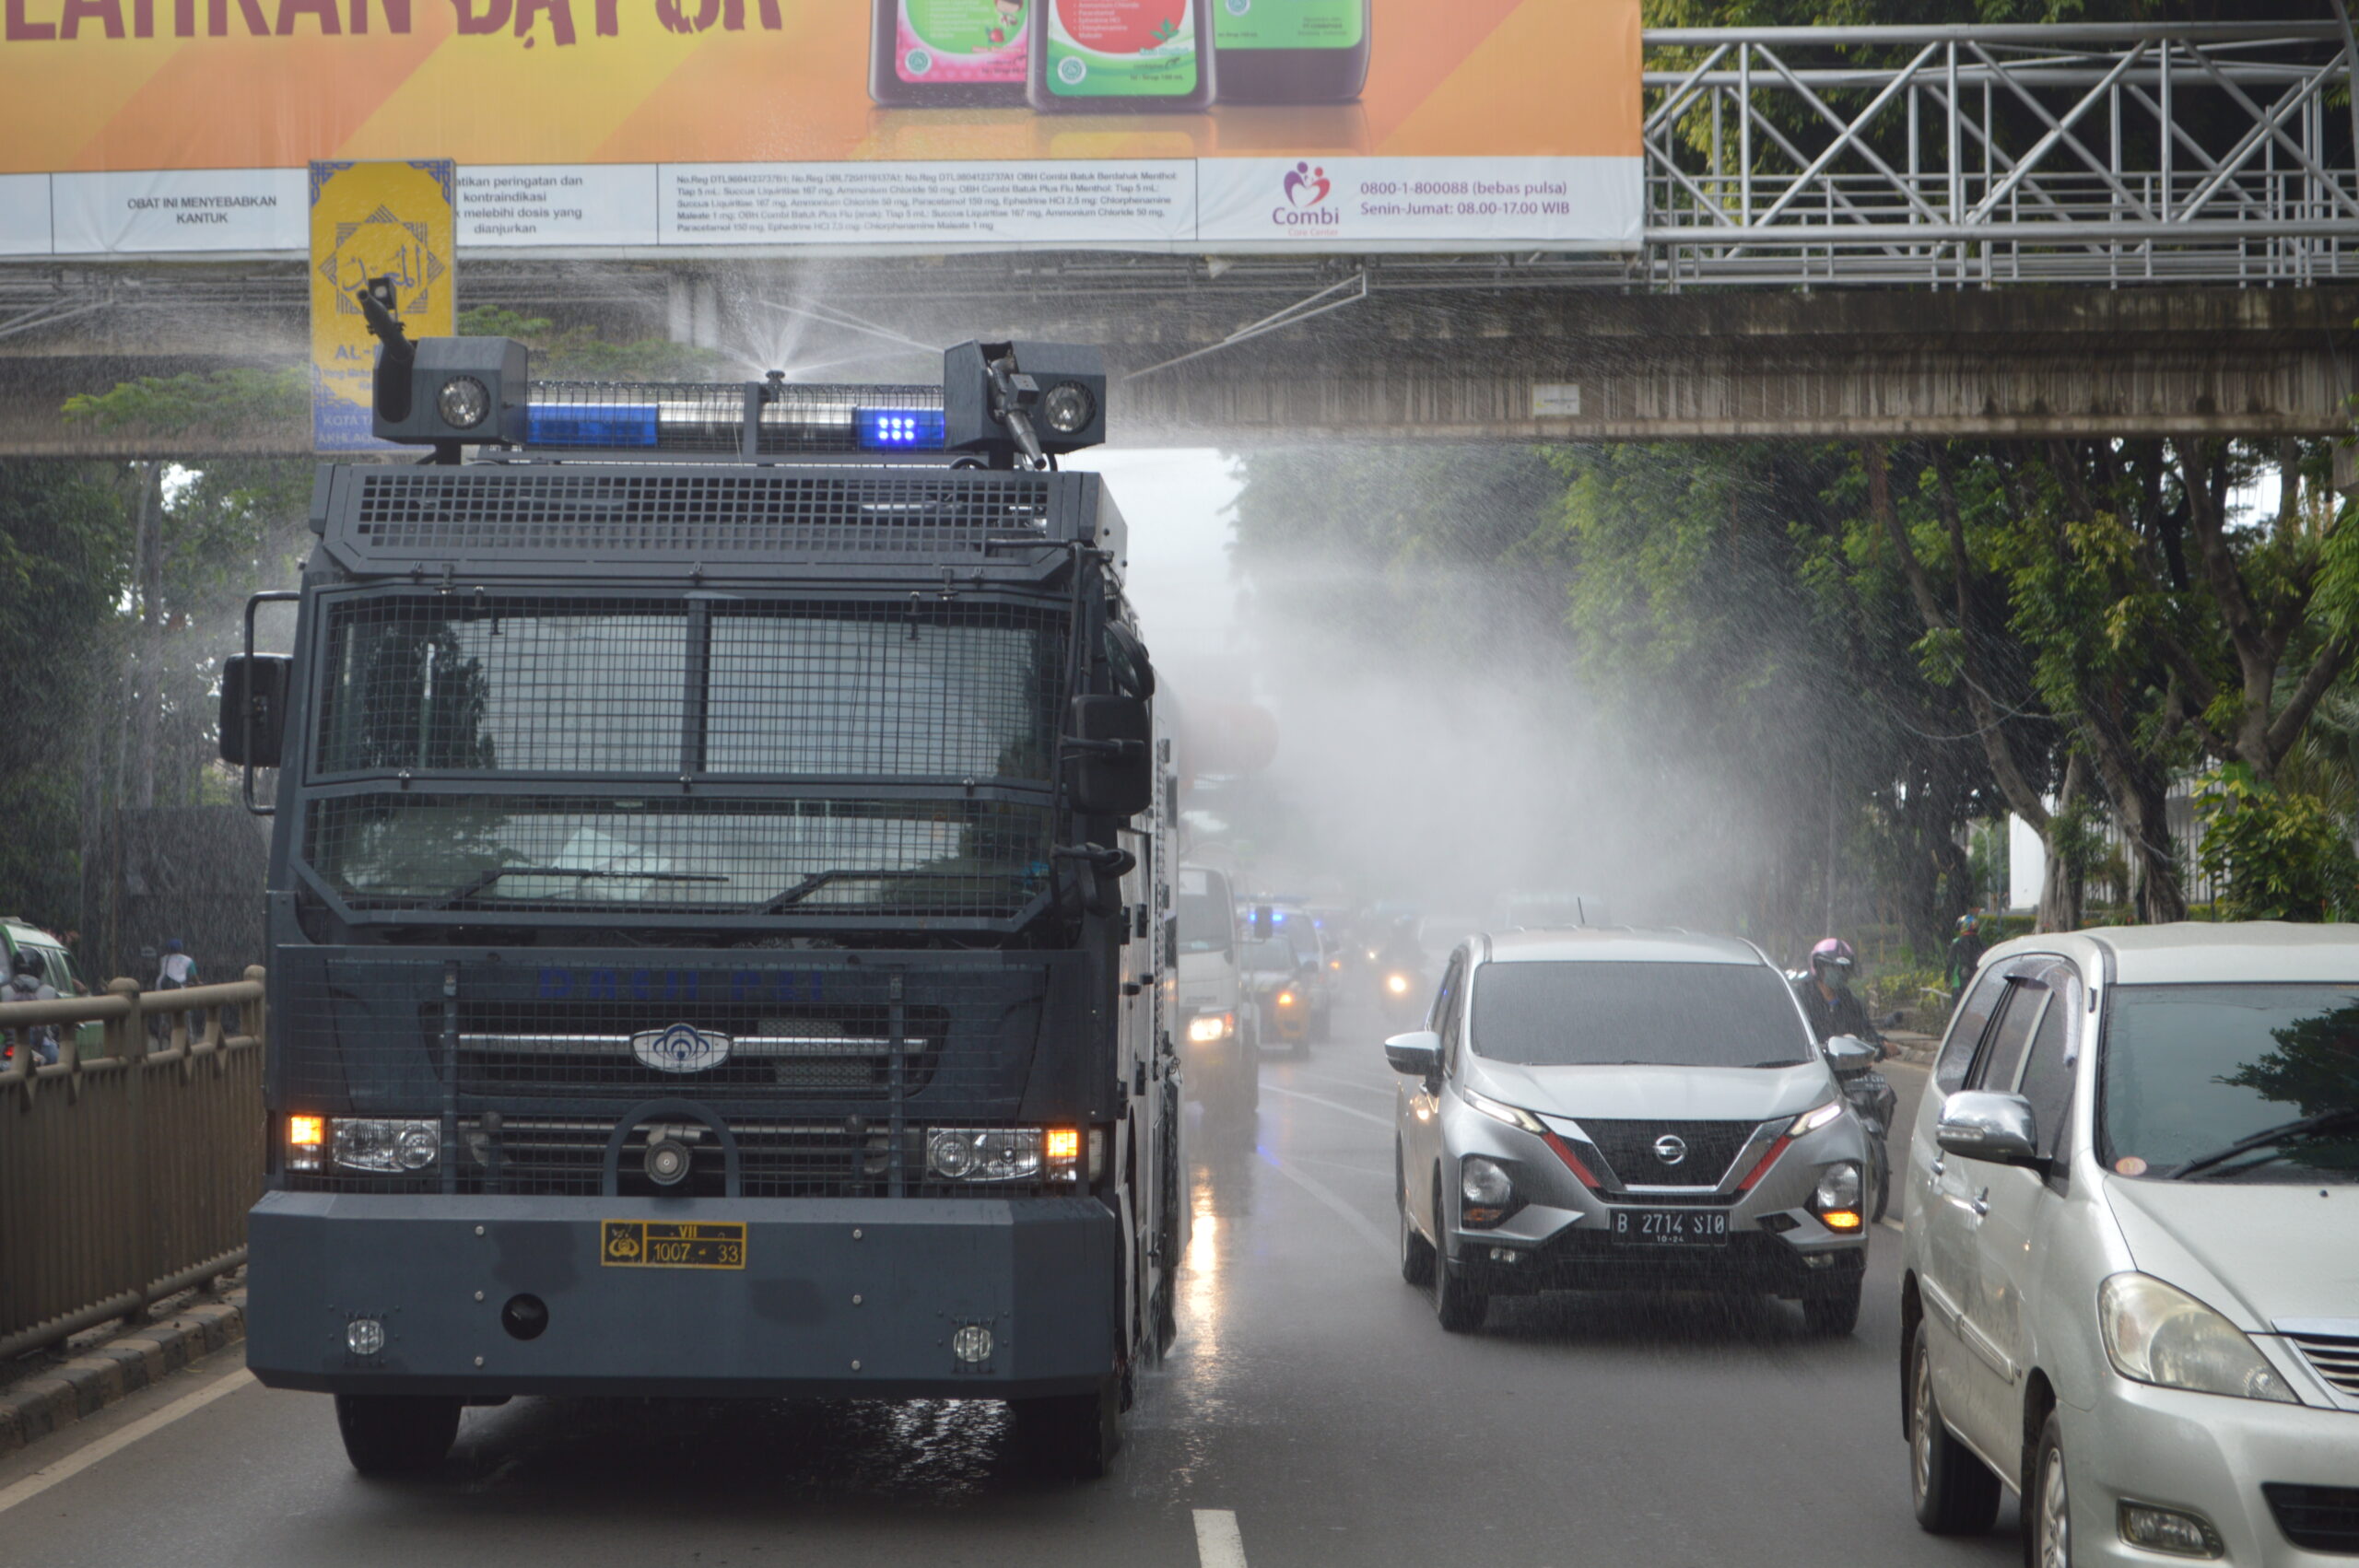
(1271, 955)
(2189, 1070)
(1599, 1013)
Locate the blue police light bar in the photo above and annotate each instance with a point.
(741, 420)
(898, 430)
(602, 428)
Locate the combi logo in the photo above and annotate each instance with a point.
(1306, 189)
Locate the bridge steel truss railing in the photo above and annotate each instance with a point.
(1972, 156)
(125, 1170)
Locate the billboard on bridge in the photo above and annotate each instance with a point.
(185, 127)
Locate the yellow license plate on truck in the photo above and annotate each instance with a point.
(672, 1243)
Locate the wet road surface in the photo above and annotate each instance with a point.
(1313, 1401)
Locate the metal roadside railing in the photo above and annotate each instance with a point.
(126, 1177)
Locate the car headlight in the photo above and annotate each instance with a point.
(389, 1146)
(1397, 984)
(1815, 1118)
(1207, 1028)
(987, 1153)
(1485, 1182)
(462, 402)
(1836, 1200)
(2158, 1333)
(1286, 998)
(1498, 1110)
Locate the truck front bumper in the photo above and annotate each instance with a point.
(826, 1297)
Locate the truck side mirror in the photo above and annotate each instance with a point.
(1113, 762)
(253, 708)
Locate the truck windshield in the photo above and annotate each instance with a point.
(1602, 1013)
(459, 691)
(1204, 915)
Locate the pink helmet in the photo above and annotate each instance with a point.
(1831, 960)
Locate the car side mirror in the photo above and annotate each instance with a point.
(1417, 1054)
(1983, 1126)
(253, 708)
(1113, 763)
(1849, 1054)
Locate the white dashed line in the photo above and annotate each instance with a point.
(114, 1443)
(1342, 1207)
(1894, 1225)
(1218, 1543)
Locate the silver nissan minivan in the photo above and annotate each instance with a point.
(1609, 1109)
(2130, 1289)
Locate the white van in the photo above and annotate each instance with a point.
(1219, 1037)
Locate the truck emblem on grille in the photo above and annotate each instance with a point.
(683, 1047)
(1671, 1148)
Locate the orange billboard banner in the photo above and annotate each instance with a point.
(131, 127)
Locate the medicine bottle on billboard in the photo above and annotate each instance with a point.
(949, 54)
(1122, 56)
(1291, 50)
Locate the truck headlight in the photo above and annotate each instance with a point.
(1208, 1028)
(386, 1145)
(2158, 1333)
(984, 1153)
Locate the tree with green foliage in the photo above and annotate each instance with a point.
(2278, 856)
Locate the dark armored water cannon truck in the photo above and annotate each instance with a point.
(719, 913)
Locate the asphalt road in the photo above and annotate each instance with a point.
(1314, 1414)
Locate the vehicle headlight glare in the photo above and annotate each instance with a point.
(1208, 1029)
(1068, 407)
(385, 1145)
(2158, 1333)
(1815, 1118)
(1286, 998)
(1484, 1183)
(462, 402)
(1397, 984)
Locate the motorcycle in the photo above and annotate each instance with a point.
(1400, 994)
(1874, 1100)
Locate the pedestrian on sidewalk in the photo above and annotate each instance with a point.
(177, 972)
(28, 982)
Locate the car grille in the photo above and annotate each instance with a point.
(2316, 1518)
(1628, 1150)
(2334, 1357)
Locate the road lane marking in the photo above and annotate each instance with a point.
(115, 1441)
(1218, 1544)
(1388, 1246)
(1893, 1224)
(1382, 1091)
(1383, 1122)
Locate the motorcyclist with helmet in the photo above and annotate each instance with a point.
(1828, 1001)
(1833, 1007)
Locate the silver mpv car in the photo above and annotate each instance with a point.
(1613, 1109)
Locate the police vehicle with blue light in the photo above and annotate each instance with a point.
(719, 916)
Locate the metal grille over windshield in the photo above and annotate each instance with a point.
(718, 707)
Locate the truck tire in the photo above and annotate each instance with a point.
(1072, 1434)
(386, 1434)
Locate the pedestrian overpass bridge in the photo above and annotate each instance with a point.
(1968, 231)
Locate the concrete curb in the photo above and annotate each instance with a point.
(63, 1394)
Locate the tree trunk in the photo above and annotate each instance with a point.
(2059, 888)
(149, 715)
